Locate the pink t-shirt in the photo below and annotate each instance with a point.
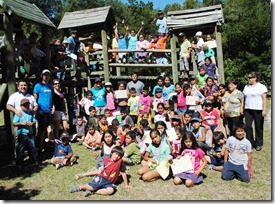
(144, 103)
(210, 118)
(110, 101)
(198, 154)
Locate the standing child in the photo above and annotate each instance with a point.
(157, 99)
(92, 139)
(159, 151)
(99, 93)
(132, 154)
(133, 103)
(25, 134)
(176, 144)
(238, 156)
(201, 77)
(86, 102)
(159, 85)
(106, 176)
(144, 102)
(190, 146)
(168, 88)
(63, 153)
(122, 102)
(110, 97)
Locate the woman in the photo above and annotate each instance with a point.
(255, 109)
(121, 101)
(60, 114)
(232, 105)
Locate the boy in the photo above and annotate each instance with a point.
(238, 156)
(93, 118)
(63, 153)
(80, 130)
(201, 77)
(125, 128)
(126, 119)
(132, 154)
(25, 134)
(105, 177)
(133, 103)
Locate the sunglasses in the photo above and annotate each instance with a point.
(250, 77)
(56, 83)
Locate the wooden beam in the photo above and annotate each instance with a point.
(105, 56)
(219, 54)
(141, 65)
(173, 45)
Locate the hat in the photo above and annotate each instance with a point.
(108, 84)
(64, 135)
(73, 31)
(207, 102)
(65, 42)
(199, 33)
(175, 117)
(45, 71)
(195, 120)
(23, 101)
(97, 79)
(182, 34)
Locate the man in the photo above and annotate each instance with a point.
(199, 48)
(43, 93)
(185, 52)
(138, 85)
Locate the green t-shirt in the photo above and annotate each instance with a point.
(133, 152)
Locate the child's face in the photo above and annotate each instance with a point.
(167, 81)
(160, 109)
(175, 123)
(209, 82)
(202, 72)
(91, 131)
(128, 139)
(108, 88)
(108, 138)
(207, 61)
(79, 121)
(196, 124)
(240, 133)
(145, 116)
(188, 143)
(107, 114)
(188, 91)
(221, 141)
(179, 136)
(133, 93)
(187, 118)
(25, 107)
(158, 94)
(155, 138)
(145, 92)
(103, 121)
(115, 157)
(208, 107)
(93, 112)
(178, 88)
(160, 82)
(161, 129)
(193, 81)
(121, 87)
(65, 140)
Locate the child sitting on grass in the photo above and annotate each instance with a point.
(132, 154)
(92, 139)
(80, 130)
(106, 176)
(63, 153)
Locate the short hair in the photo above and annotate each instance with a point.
(80, 117)
(88, 92)
(188, 112)
(126, 126)
(133, 89)
(115, 122)
(233, 81)
(102, 116)
(186, 86)
(132, 134)
(91, 108)
(123, 110)
(134, 73)
(201, 67)
(91, 125)
(145, 88)
(218, 135)
(144, 123)
(159, 78)
(106, 110)
(158, 90)
(117, 149)
(239, 125)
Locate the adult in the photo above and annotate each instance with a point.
(185, 52)
(199, 48)
(255, 109)
(99, 93)
(43, 93)
(232, 105)
(135, 83)
(60, 114)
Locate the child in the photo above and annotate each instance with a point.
(144, 101)
(107, 113)
(103, 123)
(99, 93)
(216, 159)
(176, 144)
(126, 119)
(104, 179)
(159, 151)
(92, 139)
(159, 85)
(238, 156)
(63, 153)
(181, 100)
(133, 103)
(80, 130)
(201, 77)
(161, 23)
(86, 102)
(110, 97)
(168, 88)
(25, 134)
(122, 102)
(122, 136)
(210, 90)
(132, 154)
(210, 116)
(157, 99)
(186, 121)
(190, 146)
(176, 121)
(92, 117)
(145, 116)
(161, 127)
(162, 115)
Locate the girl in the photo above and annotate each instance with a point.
(210, 68)
(210, 90)
(168, 88)
(60, 114)
(110, 97)
(210, 116)
(201, 77)
(92, 139)
(145, 102)
(161, 115)
(99, 93)
(199, 98)
(85, 103)
(181, 100)
(176, 144)
(159, 85)
(162, 127)
(122, 102)
(158, 98)
(145, 116)
(159, 151)
(190, 146)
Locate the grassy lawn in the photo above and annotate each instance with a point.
(47, 183)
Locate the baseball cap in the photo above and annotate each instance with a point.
(64, 135)
(108, 84)
(182, 34)
(97, 79)
(45, 71)
(195, 119)
(199, 33)
(24, 100)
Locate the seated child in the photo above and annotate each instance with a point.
(106, 176)
(162, 114)
(145, 116)
(176, 121)
(125, 129)
(103, 124)
(176, 144)
(157, 99)
(126, 119)
(216, 159)
(80, 130)
(187, 116)
(92, 139)
(237, 156)
(210, 116)
(92, 119)
(63, 153)
(132, 154)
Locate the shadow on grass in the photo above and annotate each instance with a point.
(17, 192)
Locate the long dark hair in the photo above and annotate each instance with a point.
(188, 135)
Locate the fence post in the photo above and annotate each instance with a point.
(105, 56)
(174, 59)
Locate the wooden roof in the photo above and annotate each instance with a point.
(97, 18)
(23, 10)
(205, 18)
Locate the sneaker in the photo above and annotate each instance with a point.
(258, 148)
(211, 167)
(58, 166)
(74, 189)
(88, 193)
(78, 176)
(74, 136)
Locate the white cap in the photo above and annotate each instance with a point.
(199, 33)
(45, 71)
(108, 84)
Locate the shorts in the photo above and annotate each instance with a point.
(216, 161)
(131, 161)
(161, 60)
(181, 111)
(44, 120)
(60, 115)
(99, 182)
(100, 110)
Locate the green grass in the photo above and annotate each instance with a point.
(47, 183)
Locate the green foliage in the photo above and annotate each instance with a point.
(191, 4)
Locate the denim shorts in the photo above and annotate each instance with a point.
(99, 182)
(59, 115)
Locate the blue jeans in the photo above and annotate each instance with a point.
(23, 142)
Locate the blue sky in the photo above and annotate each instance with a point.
(159, 4)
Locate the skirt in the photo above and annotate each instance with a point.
(193, 177)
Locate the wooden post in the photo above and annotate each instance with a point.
(219, 54)
(174, 59)
(46, 49)
(8, 116)
(105, 56)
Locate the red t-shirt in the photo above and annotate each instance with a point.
(112, 169)
(211, 117)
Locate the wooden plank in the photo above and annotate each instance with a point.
(105, 56)
(218, 14)
(174, 59)
(135, 50)
(194, 22)
(202, 9)
(140, 65)
(219, 54)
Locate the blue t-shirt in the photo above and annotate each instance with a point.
(26, 130)
(166, 91)
(72, 41)
(159, 153)
(61, 150)
(162, 24)
(99, 96)
(122, 43)
(45, 94)
(132, 41)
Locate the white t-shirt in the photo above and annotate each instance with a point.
(253, 96)
(200, 52)
(15, 99)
